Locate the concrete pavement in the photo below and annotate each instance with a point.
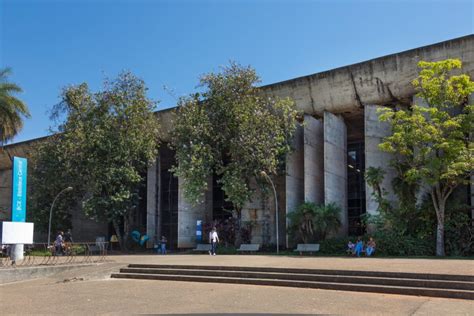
(89, 290)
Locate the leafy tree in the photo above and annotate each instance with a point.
(432, 142)
(103, 148)
(12, 109)
(231, 129)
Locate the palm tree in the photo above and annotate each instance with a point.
(12, 110)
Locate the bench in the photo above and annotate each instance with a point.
(307, 248)
(249, 247)
(203, 247)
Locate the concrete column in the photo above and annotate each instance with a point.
(152, 193)
(375, 131)
(16, 252)
(335, 165)
(313, 160)
(189, 214)
(294, 179)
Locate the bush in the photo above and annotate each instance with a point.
(311, 222)
(335, 246)
(388, 244)
(391, 244)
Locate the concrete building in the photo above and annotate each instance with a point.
(333, 147)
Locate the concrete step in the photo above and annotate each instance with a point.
(382, 274)
(334, 278)
(401, 290)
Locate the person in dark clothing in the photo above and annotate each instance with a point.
(68, 236)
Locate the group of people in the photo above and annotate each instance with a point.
(62, 242)
(359, 247)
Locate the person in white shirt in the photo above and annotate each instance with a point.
(213, 239)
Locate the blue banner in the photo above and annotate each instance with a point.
(20, 167)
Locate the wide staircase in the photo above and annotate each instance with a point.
(420, 284)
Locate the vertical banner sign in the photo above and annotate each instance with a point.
(19, 189)
(199, 231)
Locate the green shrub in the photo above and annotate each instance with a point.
(311, 222)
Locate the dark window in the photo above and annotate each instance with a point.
(355, 187)
(169, 198)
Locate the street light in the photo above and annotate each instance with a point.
(264, 174)
(51, 211)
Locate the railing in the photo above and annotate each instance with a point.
(42, 254)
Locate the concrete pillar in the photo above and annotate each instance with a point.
(375, 131)
(152, 194)
(189, 214)
(335, 165)
(16, 252)
(313, 160)
(294, 179)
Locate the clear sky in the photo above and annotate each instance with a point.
(52, 44)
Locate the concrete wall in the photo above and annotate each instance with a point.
(5, 194)
(384, 80)
(313, 160)
(294, 180)
(374, 157)
(83, 228)
(189, 214)
(335, 165)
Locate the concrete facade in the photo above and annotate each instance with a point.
(335, 165)
(189, 214)
(375, 131)
(335, 105)
(313, 160)
(294, 180)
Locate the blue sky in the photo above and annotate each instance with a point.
(53, 44)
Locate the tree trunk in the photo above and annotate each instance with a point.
(440, 230)
(126, 230)
(238, 228)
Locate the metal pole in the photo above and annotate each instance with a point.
(276, 211)
(51, 212)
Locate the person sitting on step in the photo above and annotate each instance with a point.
(370, 247)
(359, 247)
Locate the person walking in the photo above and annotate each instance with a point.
(213, 239)
(59, 243)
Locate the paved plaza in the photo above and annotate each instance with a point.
(89, 290)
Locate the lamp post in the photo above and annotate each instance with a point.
(51, 212)
(264, 174)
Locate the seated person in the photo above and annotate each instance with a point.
(370, 247)
(350, 248)
(359, 247)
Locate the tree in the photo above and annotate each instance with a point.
(103, 148)
(433, 142)
(12, 109)
(231, 129)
